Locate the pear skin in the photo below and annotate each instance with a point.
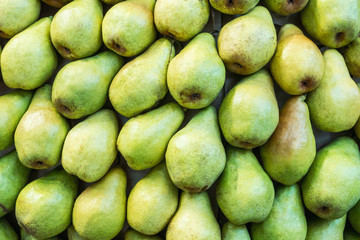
(351, 54)
(354, 217)
(321, 229)
(6, 230)
(72, 234)
(285, 7)
(56, 3)
(134, 235)
(231, 231)
(357, 124)
(26, 236)
(234, 7)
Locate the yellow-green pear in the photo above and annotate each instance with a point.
(354, 217)
(26, 236)
(285, 7)
(357, 124)
(134, 235)
(321, 229)
(41, 132)
(143, 139)
(56, 3)
(99, 211)
(350, 234)
(234, 7)
(231, 231)
(72, 234)
(351, 54)
(6, 230)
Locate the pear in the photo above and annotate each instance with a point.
(6, 231)
(247, 43)
(119, 24)
(320, 229)
(143, 139)
(197, 74)
(25, 236)
(195, 156)
(286, 219)
(245, 193)
(335, 105)
(194, 219)
(12, 107)
(141, 83)
(57, 3)
(43, 207)
(333, 23)
(181, 20)
(145, 208)
(290, 151)
(350, 234)
(72, 234)
(76, 29)
(41, 132)
(28, 60)
(13, 177)
(351, 53)
(354, 217)
(336, 164)
(298, 64)
(16, 15)
(231, 231)
(81, 87)
(99, 211)
(285, 7)
(357, 124)
(249, 113)
(134, 235)
(234, 7)
(90, 147)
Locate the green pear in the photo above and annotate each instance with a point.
(26, 236)
(81, 87)
(41, 132)
(290, 151)
(134, 235)
(197, 74)
(141, 83)
(6, 231)
(247, 43)
(99, 211)
(245, 193)
(13, 177)
(333, 23)
(335, 104)
(76, 29)
(181, 20)
(336, 164)
(286, 219)
(195, 155)
(194, 219)
(90, 147)
(72, 234)
(57, 3)
(231, 231)
(112, 2)
(350, 234)
(28, 60)
(43, 207)
(16, 15)
(321, 229)
(128, 27)
(357, 124)
(143, 139)
(351, 54)
(12, 107)
(354, 217)
(285, 7)
(249, 113)
(234, 7)
(297, 65)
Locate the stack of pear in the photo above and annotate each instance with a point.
(285, 7)
(233, 7)
(231, 231)
(6, 230)
(354, 217)
(56, 3)
(321, 229)
(134, 235)
(351, 54)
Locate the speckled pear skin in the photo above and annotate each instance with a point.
(134, 235)
(26, 236)
(354, 217)
(291, 149)
(99, 211)
(128, 27)
(6, 230)
(249, 112)
(181, 20)
(351, 54)
(57, 3)
(286, 219)
(12, 107)
(351, 234)
(336, 164)
(28, 60)
(194, 219)
(231, 231)
(141, 83)
(245, 193)
(16, 15)
(335, 104)
(76, 29)
(144, 138)
(41, 132)
(43, 207)
(72, 234)
(298, 64)
(321, 229)
(13, 177)
(285, 7)
(234, 7)
(197, 74)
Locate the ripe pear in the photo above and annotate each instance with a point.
(285, 7)
(28, 60)
(143, 139)
(81, 87)
(234, 7)
(247, 43)
(336, 164)
(197, 74)
(231, 231)
(354, 217)
(181, 20)
(76, 29)
(134, 235)
(72, 234)
(6, 230)
(26, 236)
(321, 229)
(194, 219)
(249, 112)
(195, 156)
(245, 193)
(298, 64)
(333, 23)
(290, 151)
(12, 107)
(286, 219)
(16, 15)
(119, 24)
(351, 54)
(43, 207)
(141, 83)
(357, 124)
(335, 104)
(350, 234)
(99, 211)
(57, 3)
